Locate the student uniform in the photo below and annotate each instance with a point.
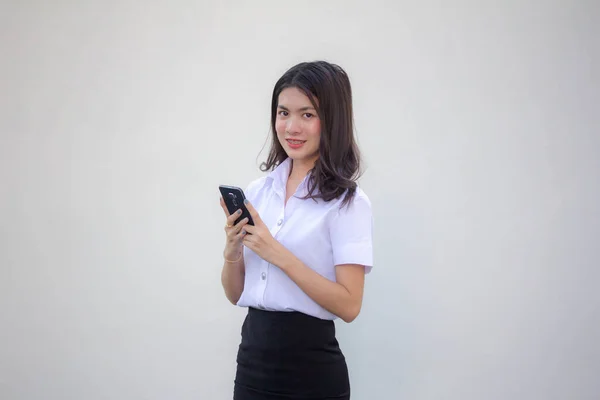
(288, 347)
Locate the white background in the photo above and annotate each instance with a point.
(479, 127)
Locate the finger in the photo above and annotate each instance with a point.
(224, 207)
(241, 224)
(250, 229)
(252, 211)
(233, 217)
(247, 242)
(235, 230)
(241, 234)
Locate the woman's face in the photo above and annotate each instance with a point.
(298, 126)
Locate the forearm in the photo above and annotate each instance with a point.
(232, 279)
(332, 296)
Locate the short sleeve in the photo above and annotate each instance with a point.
(351, 233)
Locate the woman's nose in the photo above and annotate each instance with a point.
(293, 126)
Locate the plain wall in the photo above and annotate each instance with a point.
(479, 123)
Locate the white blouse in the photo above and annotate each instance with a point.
(321, 234)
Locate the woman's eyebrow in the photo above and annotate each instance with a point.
(300, 109)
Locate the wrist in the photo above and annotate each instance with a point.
(285, 259)
(232, 255)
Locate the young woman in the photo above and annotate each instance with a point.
(303, 263)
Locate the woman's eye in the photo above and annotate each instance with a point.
(283, 113)
(308, 115)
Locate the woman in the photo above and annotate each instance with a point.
(303, 262)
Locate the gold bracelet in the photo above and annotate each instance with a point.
(233, 261)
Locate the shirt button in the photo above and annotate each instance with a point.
(263, 276)
(279, 222)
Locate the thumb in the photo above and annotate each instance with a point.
(252, 211)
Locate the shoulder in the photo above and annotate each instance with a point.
(360, 203)
(361, 197)
(356, 214)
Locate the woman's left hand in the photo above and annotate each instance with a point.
(260, 240)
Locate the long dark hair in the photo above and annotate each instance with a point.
(338, 166)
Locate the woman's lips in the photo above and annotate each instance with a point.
(295, 144)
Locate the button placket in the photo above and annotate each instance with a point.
(278, 224)
(263, 282)
(263, 276)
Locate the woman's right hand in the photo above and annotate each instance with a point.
(235, 233)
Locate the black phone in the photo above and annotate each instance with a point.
(234, 200)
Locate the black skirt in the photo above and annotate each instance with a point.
(289, 355)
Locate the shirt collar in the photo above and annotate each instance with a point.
(279, 177)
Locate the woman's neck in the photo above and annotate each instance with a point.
(300, 169)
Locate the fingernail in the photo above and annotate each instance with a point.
(238, 212)
(245, 201)
(243, 232)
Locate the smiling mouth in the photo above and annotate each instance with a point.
(291, 141)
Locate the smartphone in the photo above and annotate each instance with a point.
(234, 200)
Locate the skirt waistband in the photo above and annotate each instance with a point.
(286, 331)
